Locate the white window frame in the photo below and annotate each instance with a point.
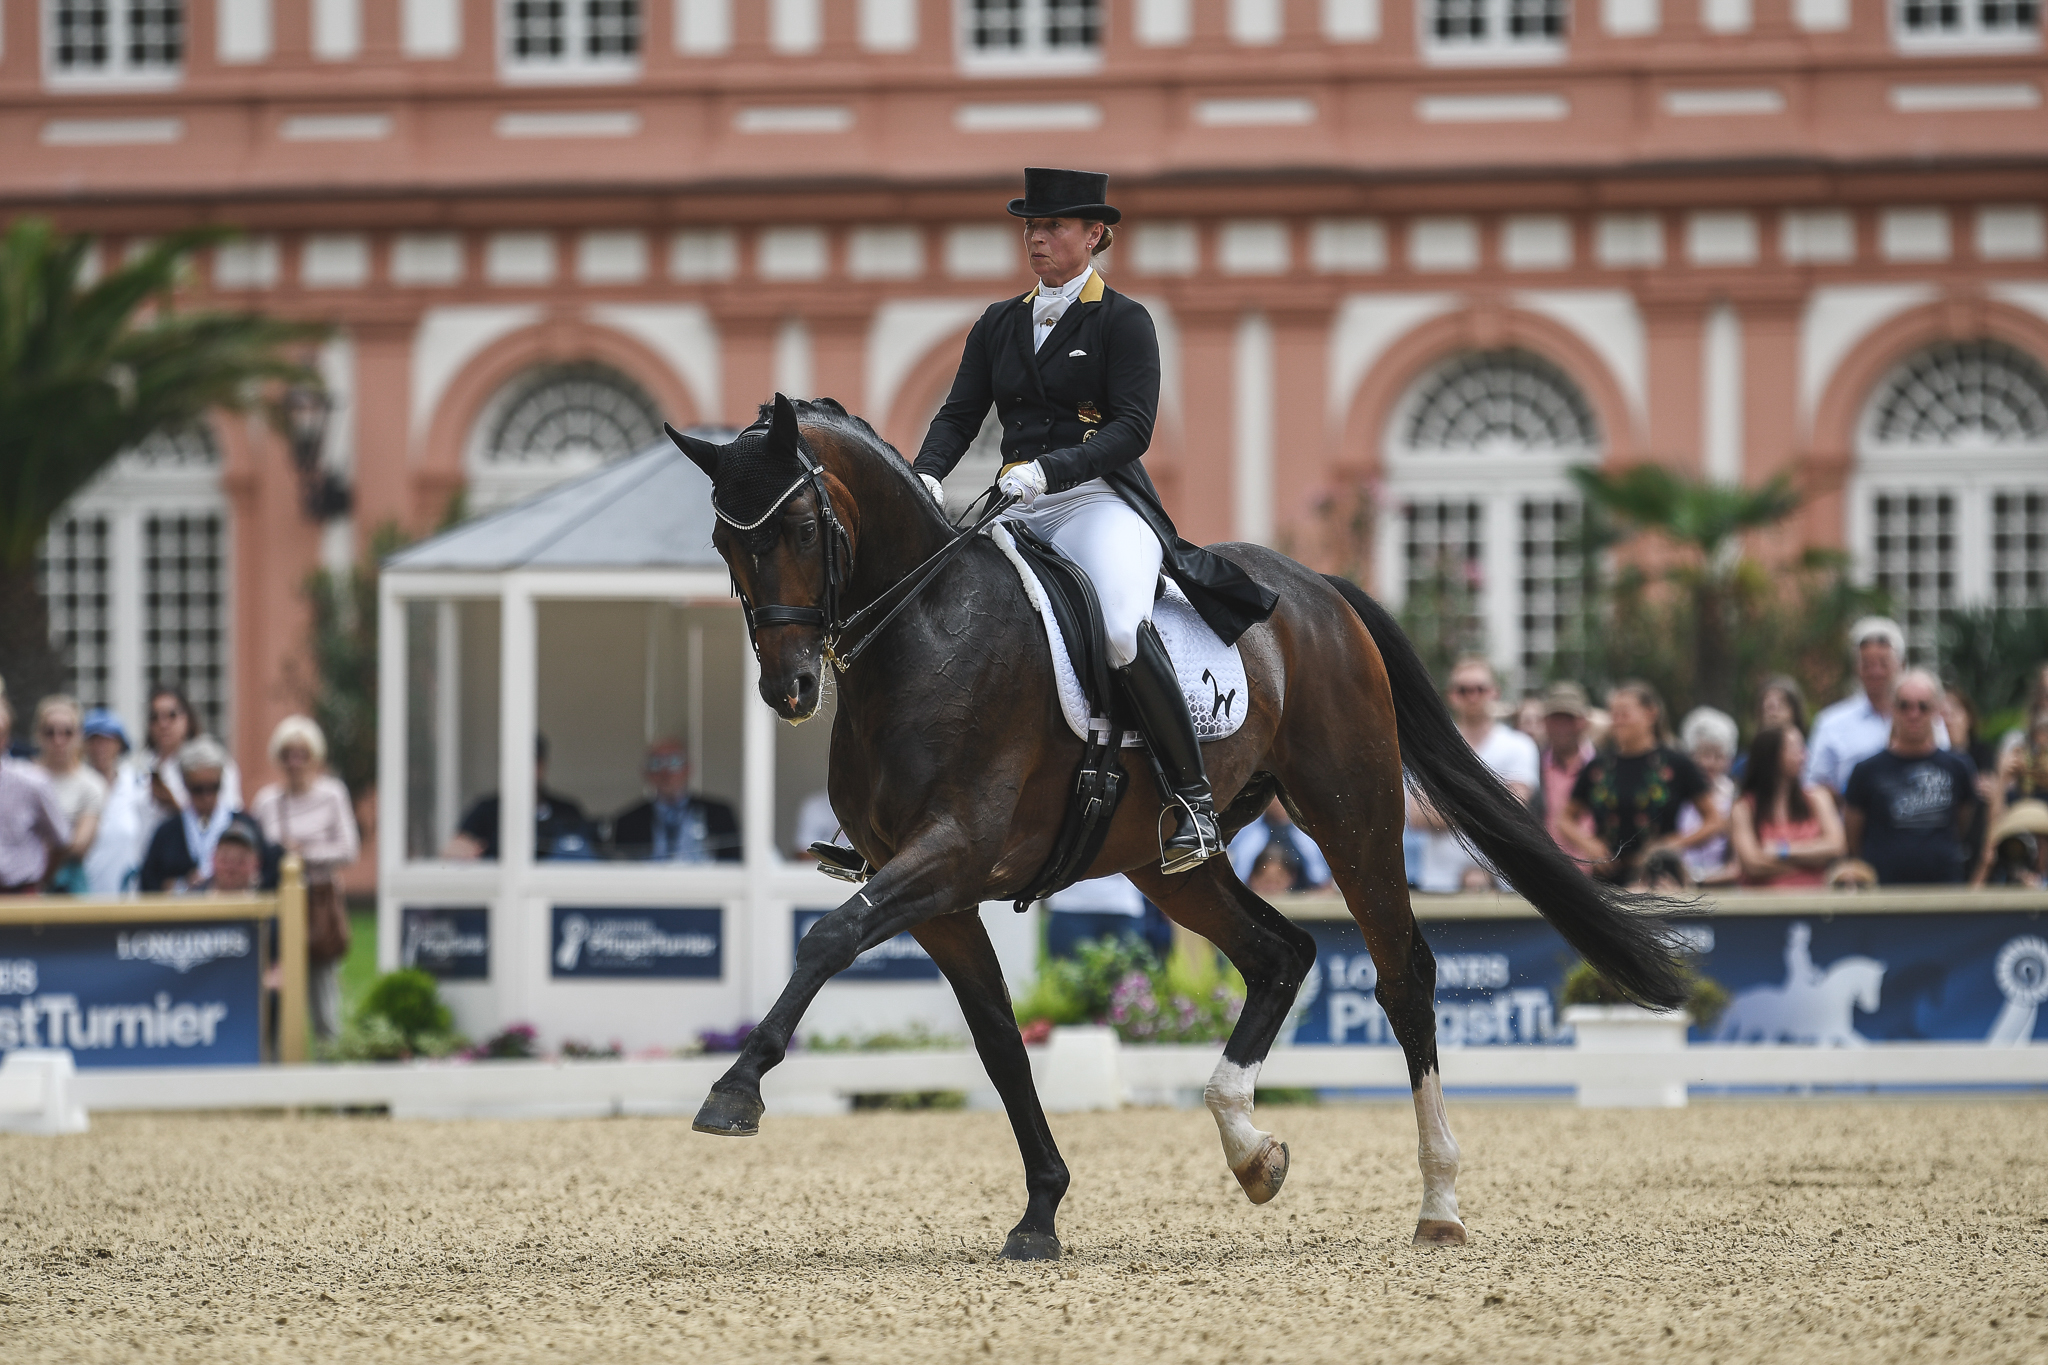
(1971, 37)
(1035, 57)
(1500, 483)
(574, 66)
(495, 484)
(118, 73)
(1972, 473)
(1497, 48)
(127, 494)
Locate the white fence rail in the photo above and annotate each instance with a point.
(1082, 1069)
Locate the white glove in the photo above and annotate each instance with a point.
(936, 489)
(1025, 483)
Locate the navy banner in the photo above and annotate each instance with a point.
(134, 994)
(902, 958)
(1843, 980)
(638, 942)
(452, 943)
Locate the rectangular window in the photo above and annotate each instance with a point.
(1025, 36)
(1952, 24)
(117, 40)
(1913, 553)
(1558, 575)
(1494, 30)
(1443, 547)
(571, 38)
(184, 608)
(77, 578)
(2019, 547)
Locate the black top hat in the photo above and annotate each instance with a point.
(1065, 194)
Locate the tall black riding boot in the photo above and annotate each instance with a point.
(1162, 714)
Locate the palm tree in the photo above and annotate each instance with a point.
(87, 372)
(1705, 521)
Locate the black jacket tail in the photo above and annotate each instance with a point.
(1616, 931)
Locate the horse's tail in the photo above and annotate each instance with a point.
(1612, 929)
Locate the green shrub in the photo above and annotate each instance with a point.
(1118, 982)
(1705, 997)
(411, 1000)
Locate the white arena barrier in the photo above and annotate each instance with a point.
(37, 1093)
(1079, 1070)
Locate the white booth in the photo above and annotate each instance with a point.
(598, 615)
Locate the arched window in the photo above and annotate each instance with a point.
(1950, 506)
(1480, 536)
(554, 422)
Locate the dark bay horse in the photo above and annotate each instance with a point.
(951, 767)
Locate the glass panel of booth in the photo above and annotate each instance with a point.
(640, 735)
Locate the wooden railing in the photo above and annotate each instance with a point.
(287, 906)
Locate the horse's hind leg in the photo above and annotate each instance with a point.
(1364, 851)
(959, 944)
(1274, 957)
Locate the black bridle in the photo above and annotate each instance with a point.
(837, 548)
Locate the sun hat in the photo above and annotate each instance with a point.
(2022, 817)
(1565, 699)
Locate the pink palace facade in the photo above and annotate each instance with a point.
(1420, 254)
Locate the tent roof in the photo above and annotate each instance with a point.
(649, 511)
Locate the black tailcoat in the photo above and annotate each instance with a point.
(1083, 405)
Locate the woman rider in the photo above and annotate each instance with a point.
(1073, 371)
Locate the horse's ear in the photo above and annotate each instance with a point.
(703, 454)
(782, 433)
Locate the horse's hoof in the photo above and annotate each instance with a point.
(728, 1114)
(1031, 1246)
(1439, 1232)
(1264, 1171)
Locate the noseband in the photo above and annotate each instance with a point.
(837, 548)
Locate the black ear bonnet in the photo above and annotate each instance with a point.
(755, 474)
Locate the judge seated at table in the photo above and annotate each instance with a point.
(674, 825)
(560, 828)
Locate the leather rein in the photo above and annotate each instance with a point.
(837, 548)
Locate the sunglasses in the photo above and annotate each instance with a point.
(203, 788)
(1470, 689)
(667, 764)
(155, 716)
(1912, 706)
(58, 731)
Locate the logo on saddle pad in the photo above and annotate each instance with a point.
(1224, 700)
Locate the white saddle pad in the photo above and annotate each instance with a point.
(1211, 672)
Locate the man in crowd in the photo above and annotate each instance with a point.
(33, 831)
(1861, 725)
(1908, 805)
(180, 856)
(240, 860)
(1446, 865)
(675, 825)
(1309, 870)
(560, 829)
(1566, 749)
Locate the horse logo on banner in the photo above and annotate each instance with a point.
(1813, 1006)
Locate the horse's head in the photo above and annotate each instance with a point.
(785, 528)
(1865, 976)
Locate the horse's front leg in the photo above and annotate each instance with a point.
(959, 944)
(915, 885)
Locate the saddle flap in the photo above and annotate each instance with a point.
(1079, 613)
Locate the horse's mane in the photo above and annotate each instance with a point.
(831, 414)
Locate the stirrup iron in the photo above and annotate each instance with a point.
(841, 863)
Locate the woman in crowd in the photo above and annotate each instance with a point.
(180, 856)
(172, 725)
(1785, 832)
(1633, 791)
(310, 814)
(1959, 713)
(1710, 740)
(1780, 702)
(127, 816)
(81, 792)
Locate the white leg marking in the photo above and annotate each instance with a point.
(1438, 1152)
(1229, 1097)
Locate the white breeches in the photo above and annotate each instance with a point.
(1096, 528)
